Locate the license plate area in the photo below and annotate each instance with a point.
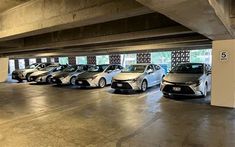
(79, 82)
(119, 85)
(177, 89)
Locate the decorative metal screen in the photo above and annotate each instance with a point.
(143, 58)
(178, 57)
(115, 59)
(91, 59)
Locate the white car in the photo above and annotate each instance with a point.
(23, 74)
(187, 79)
(69, 74)
(98, 76)
(138, 77)
(44, 75)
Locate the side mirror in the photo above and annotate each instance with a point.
(208, 72)
(149, 71)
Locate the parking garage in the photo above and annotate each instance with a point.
(101, 42)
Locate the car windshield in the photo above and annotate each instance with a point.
(188, 68)
(70, 69)
(32, 66)
(135, 69)
(82, 68)
(49, 68)
(98, 68)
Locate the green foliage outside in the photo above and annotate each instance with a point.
(104, 59)
(81, 60)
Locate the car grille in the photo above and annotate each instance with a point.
(184, 89)
(84, 83)
(124, 85)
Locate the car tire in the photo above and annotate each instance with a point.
(205, 91)
(144, 86)
(102, 82)
(72, 81)
(48, 79)
(27, 77)
(20, 81)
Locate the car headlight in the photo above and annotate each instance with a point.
(93, 77)
(195, 83)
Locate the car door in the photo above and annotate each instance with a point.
(109, 73)
(158, 74)
(150, 75)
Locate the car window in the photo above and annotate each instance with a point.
(134, 69)
(157, 67)
(150, 67)
(112, 67)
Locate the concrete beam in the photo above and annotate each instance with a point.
(187, 42)
(42, 16)
(178, 30)
(198, 15)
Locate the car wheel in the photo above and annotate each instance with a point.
(102, 82)
(144, 86)
(205, 90)
(48, 79)
(27, 77)
(73, 81)
(20, 81)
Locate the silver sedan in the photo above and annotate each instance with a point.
(98, 76)
(138, 77)
(187, 79)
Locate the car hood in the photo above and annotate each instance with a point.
(182, 78)
(87, 75)
(38, 73)
(60, 74)
(24, 70)
(127, 76)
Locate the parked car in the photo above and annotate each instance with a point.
(23, 74)
(98, 76)
(69, 74)
(188, 79)
(138, 77)
(44, 75)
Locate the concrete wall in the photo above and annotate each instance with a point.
(223, 74)
(3, 69)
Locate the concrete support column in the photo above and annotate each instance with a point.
(26, 62)
(38, 60)
(3, 69)
(223, 73)
(16, 63)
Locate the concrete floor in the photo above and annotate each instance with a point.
(45, 115)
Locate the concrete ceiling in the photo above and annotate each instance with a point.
(8, 4)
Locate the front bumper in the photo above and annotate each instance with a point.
(40, 79)
(18, 76)
(62, 80)
(175, 89)
(126, 85)
(87, 82)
